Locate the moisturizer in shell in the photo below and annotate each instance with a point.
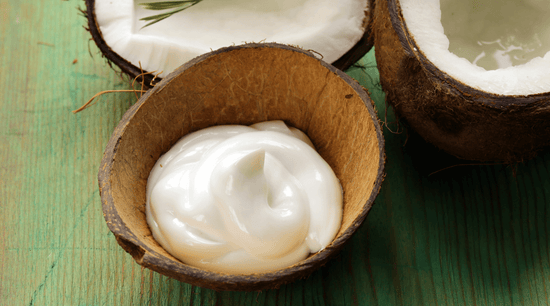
(240, 199)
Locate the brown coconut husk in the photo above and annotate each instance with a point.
(149, 79)
(243, 85)
(463, 121)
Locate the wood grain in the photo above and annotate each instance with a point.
(466, 235)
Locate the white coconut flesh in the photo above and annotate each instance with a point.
(500, 47)
(329, 27)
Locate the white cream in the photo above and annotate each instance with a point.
(240, 199)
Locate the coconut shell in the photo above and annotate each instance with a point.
(461, 120)
(344, 62)
(243, 85)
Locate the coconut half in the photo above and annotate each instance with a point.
(218, 88)
(335, 29)
(472, 112)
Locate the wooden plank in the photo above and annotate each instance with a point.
(466, 235)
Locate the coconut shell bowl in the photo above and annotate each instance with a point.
(243, 85)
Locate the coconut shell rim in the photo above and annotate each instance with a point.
(214, 280)
(456, 124)
(362, 47)
(465, 91)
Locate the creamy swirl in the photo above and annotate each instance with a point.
(240, 199)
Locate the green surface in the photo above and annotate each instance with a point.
(467, 235)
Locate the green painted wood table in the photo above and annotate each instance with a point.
(437, 235)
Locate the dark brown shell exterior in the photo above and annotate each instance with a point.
(463, 121)
(243, 85)
(349, 58)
